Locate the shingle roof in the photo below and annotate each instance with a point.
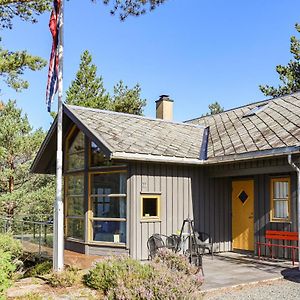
(124, 133)
(275, 126)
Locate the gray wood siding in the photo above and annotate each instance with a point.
(212, 208)
(204, 194)
(261, 171)
(174, 185)
(185, 192)
(262, 211)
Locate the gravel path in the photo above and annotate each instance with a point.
(279, 289)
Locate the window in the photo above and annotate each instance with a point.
(280, 199)
(108, 205)
(75, 150)
(74, 185)
(97, 157)
(150, 207)
(254, 111)
(75, 206)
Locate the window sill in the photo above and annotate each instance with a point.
(95, 243)
(70, 239)
(150, 220)
(106, 244)
(281, 221)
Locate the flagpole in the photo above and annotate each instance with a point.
(58, 247)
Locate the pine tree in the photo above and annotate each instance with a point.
(87, 89)
(19, 144)
(127, 100)
(214, 108)
(289, 74)
(14, 63)
(127, 8)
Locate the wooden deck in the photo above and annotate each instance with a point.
(71, 258)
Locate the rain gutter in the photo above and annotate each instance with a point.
(298, 200)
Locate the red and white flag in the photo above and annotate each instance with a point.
(52, 83)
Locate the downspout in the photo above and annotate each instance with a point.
(298, 201)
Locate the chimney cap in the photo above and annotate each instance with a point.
(164, 98)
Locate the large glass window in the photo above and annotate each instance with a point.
(75, 150)
(280, 199)
(75, 206)
(108, 204)
(97, 157)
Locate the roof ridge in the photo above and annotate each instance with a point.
(242, 106)
(132, 115)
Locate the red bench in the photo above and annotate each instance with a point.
(272, 235)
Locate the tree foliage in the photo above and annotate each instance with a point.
(26, 10)
(127, 8)
(14, 63)
(289, 75)
(127, 100)
(19, 144)
(214, 108)
(88, 90)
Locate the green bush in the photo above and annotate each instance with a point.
(9, 244)
(6, 270)
(108, 273)
(66, 278)
(125, 278)
(41, 268)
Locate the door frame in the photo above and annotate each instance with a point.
(236, 179)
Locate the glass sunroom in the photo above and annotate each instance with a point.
(95, 195)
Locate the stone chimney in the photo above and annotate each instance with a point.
(164, 108)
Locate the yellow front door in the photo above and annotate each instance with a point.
(243, 214)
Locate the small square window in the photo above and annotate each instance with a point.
(150, 207)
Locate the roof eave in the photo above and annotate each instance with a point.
(95, 138)
(253, 155)
(155, 158)
(44, 145)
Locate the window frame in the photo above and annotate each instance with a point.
(272, 181)
(67, 150)
(66, 196)
(158, 203)
(91, 218)
(68, 173)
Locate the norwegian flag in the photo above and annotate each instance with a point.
(52, 83)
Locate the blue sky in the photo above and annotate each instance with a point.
(196, 51)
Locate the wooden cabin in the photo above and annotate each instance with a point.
(127, 177)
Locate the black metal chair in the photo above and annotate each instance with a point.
(154, 243)
(173, 242)
(205, 242)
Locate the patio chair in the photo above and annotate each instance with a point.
(173, 242)
(154, 243)
(205, 242)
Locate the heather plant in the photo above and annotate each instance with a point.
(174, 261)
(167, 277)
(110, 272)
